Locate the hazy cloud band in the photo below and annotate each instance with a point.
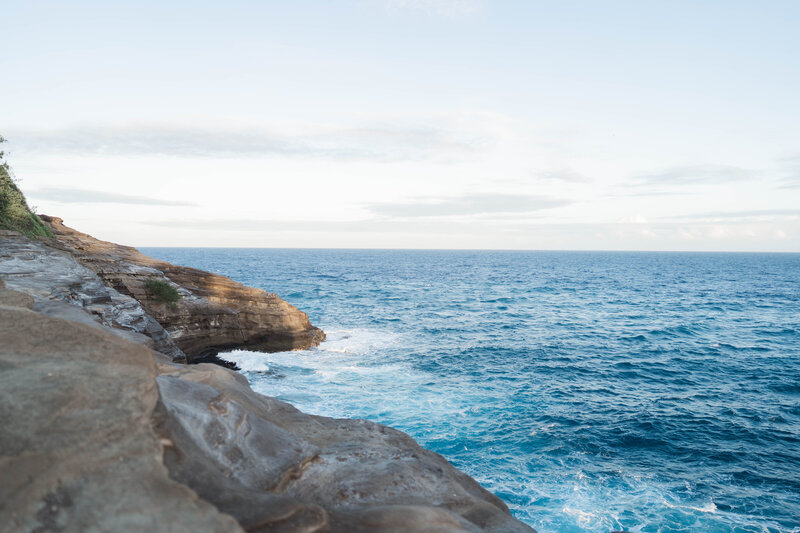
(379, 143)
(85, 196)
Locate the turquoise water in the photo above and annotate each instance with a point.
(591, 391)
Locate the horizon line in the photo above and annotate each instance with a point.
(593, 250)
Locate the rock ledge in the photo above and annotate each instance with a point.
(214, 313)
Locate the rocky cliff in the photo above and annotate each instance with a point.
(214, 313)
(103, 432)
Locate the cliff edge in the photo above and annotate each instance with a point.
(212, 314)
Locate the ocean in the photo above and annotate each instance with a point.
(591, 391)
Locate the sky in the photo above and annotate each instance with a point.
(470, 124)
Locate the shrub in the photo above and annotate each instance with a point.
(162, 291)
(14, 211)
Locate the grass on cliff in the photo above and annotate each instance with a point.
(162, 291)
(15, 214)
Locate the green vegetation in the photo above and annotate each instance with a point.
(14, 211)
(162, 291)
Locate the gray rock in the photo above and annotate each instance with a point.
(15, 298)
(234, 446)
(50, 275)
(77, 448)
(68, 311)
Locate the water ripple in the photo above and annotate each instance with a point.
(591, 391)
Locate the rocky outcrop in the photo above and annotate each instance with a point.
(102, 430)
(276, 469)
(101, 434)
(62, 287)
(77, 446)
(213, 314)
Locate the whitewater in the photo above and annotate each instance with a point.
(591, 391)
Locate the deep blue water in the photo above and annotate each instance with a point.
(591, 391)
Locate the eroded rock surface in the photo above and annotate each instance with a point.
(214, 313)
(62, 287)
(309, 473)
(77, 447)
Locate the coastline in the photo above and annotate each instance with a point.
(222, 449)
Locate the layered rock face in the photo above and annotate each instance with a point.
(213, 314)
(62, 287)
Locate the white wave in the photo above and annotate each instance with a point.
(247, 361)
(360, 342)
(709, 507)
(583, 518)
(350, 373)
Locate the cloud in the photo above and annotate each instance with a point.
(85, 196)
(649, 192)
(447, 8)
(374, 225)
(790, 166)
(422, 216)
(475, 204)
(382, 142)
(695, 174)
(239, 225)
(563, 175)
(753, 213)
(496, 234)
